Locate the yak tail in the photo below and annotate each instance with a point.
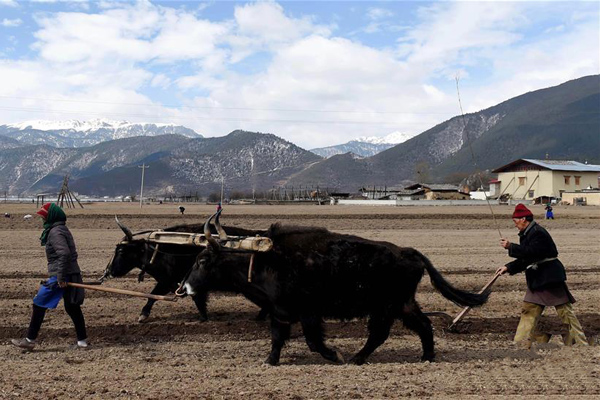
(457, 296)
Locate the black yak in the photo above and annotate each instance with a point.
(312, 274)
(169, 266)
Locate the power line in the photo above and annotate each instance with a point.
(296, 121)
(222, 107)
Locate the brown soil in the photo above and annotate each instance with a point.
(174, 355)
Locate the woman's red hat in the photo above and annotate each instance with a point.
(43, 211)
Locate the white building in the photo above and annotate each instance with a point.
(527, 179)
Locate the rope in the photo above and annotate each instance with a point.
(474, 159)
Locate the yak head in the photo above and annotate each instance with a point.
(129, 254)
(199, 277)
(207, 270)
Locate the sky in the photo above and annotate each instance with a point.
(316, 73)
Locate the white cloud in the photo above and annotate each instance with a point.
(11, 23)
(379, 13)
(137, 33)
(161, 80)
(9, 3)
(264, 26)
(268, 23)
(451, 30)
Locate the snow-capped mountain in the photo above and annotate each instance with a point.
(245, 160)
(365, 146)
(73, 133)
(393, 138)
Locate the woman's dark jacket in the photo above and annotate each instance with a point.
(61, 252)
(536, 244)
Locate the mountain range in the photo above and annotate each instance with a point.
(562, 122)
(75, 133)
(364, 146)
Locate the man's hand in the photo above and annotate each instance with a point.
(504, 243)
(62, 284)
(502, 270)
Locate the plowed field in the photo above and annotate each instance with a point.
(175, 356)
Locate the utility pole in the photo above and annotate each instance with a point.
(222, 189)
(143, 167)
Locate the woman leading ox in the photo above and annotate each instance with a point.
(62, 268)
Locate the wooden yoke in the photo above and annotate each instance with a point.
(257, 243)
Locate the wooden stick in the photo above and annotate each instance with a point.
(467, 309)
(122, 291)
(250, 267)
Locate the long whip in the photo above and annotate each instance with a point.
(474, 158)
(496, 276)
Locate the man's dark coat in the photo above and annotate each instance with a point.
(535, 245)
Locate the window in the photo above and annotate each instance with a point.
(577, 180)
(521, 181)
(531, 194)
(567, 180)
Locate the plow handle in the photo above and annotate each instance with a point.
(467, 309)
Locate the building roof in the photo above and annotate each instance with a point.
(434, 187)
(554, 165)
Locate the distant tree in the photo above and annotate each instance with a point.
(236, 195)
(214, 197)
(456, 178)
(422, 172)
(473, 181)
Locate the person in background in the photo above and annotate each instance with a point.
(549, 213)
(181, 209)
(62, 268)
(536, 254)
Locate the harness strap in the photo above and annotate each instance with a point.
(534, 265)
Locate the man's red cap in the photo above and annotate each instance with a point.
(521, 211)
(43, 212)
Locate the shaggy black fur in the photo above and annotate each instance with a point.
(312, 274)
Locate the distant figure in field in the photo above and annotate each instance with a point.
(181, 209)
(219, 207)
(6, 215)
(549, 213)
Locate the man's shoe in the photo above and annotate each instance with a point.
(23, 343)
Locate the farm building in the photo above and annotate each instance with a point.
(419, 191)
(588, 197)
(542, 180)
(439, 191)
(379, 192)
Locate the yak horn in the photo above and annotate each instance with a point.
(207, 234)
(222, 233)
(125, 229)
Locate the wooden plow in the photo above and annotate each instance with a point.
(96, 287)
